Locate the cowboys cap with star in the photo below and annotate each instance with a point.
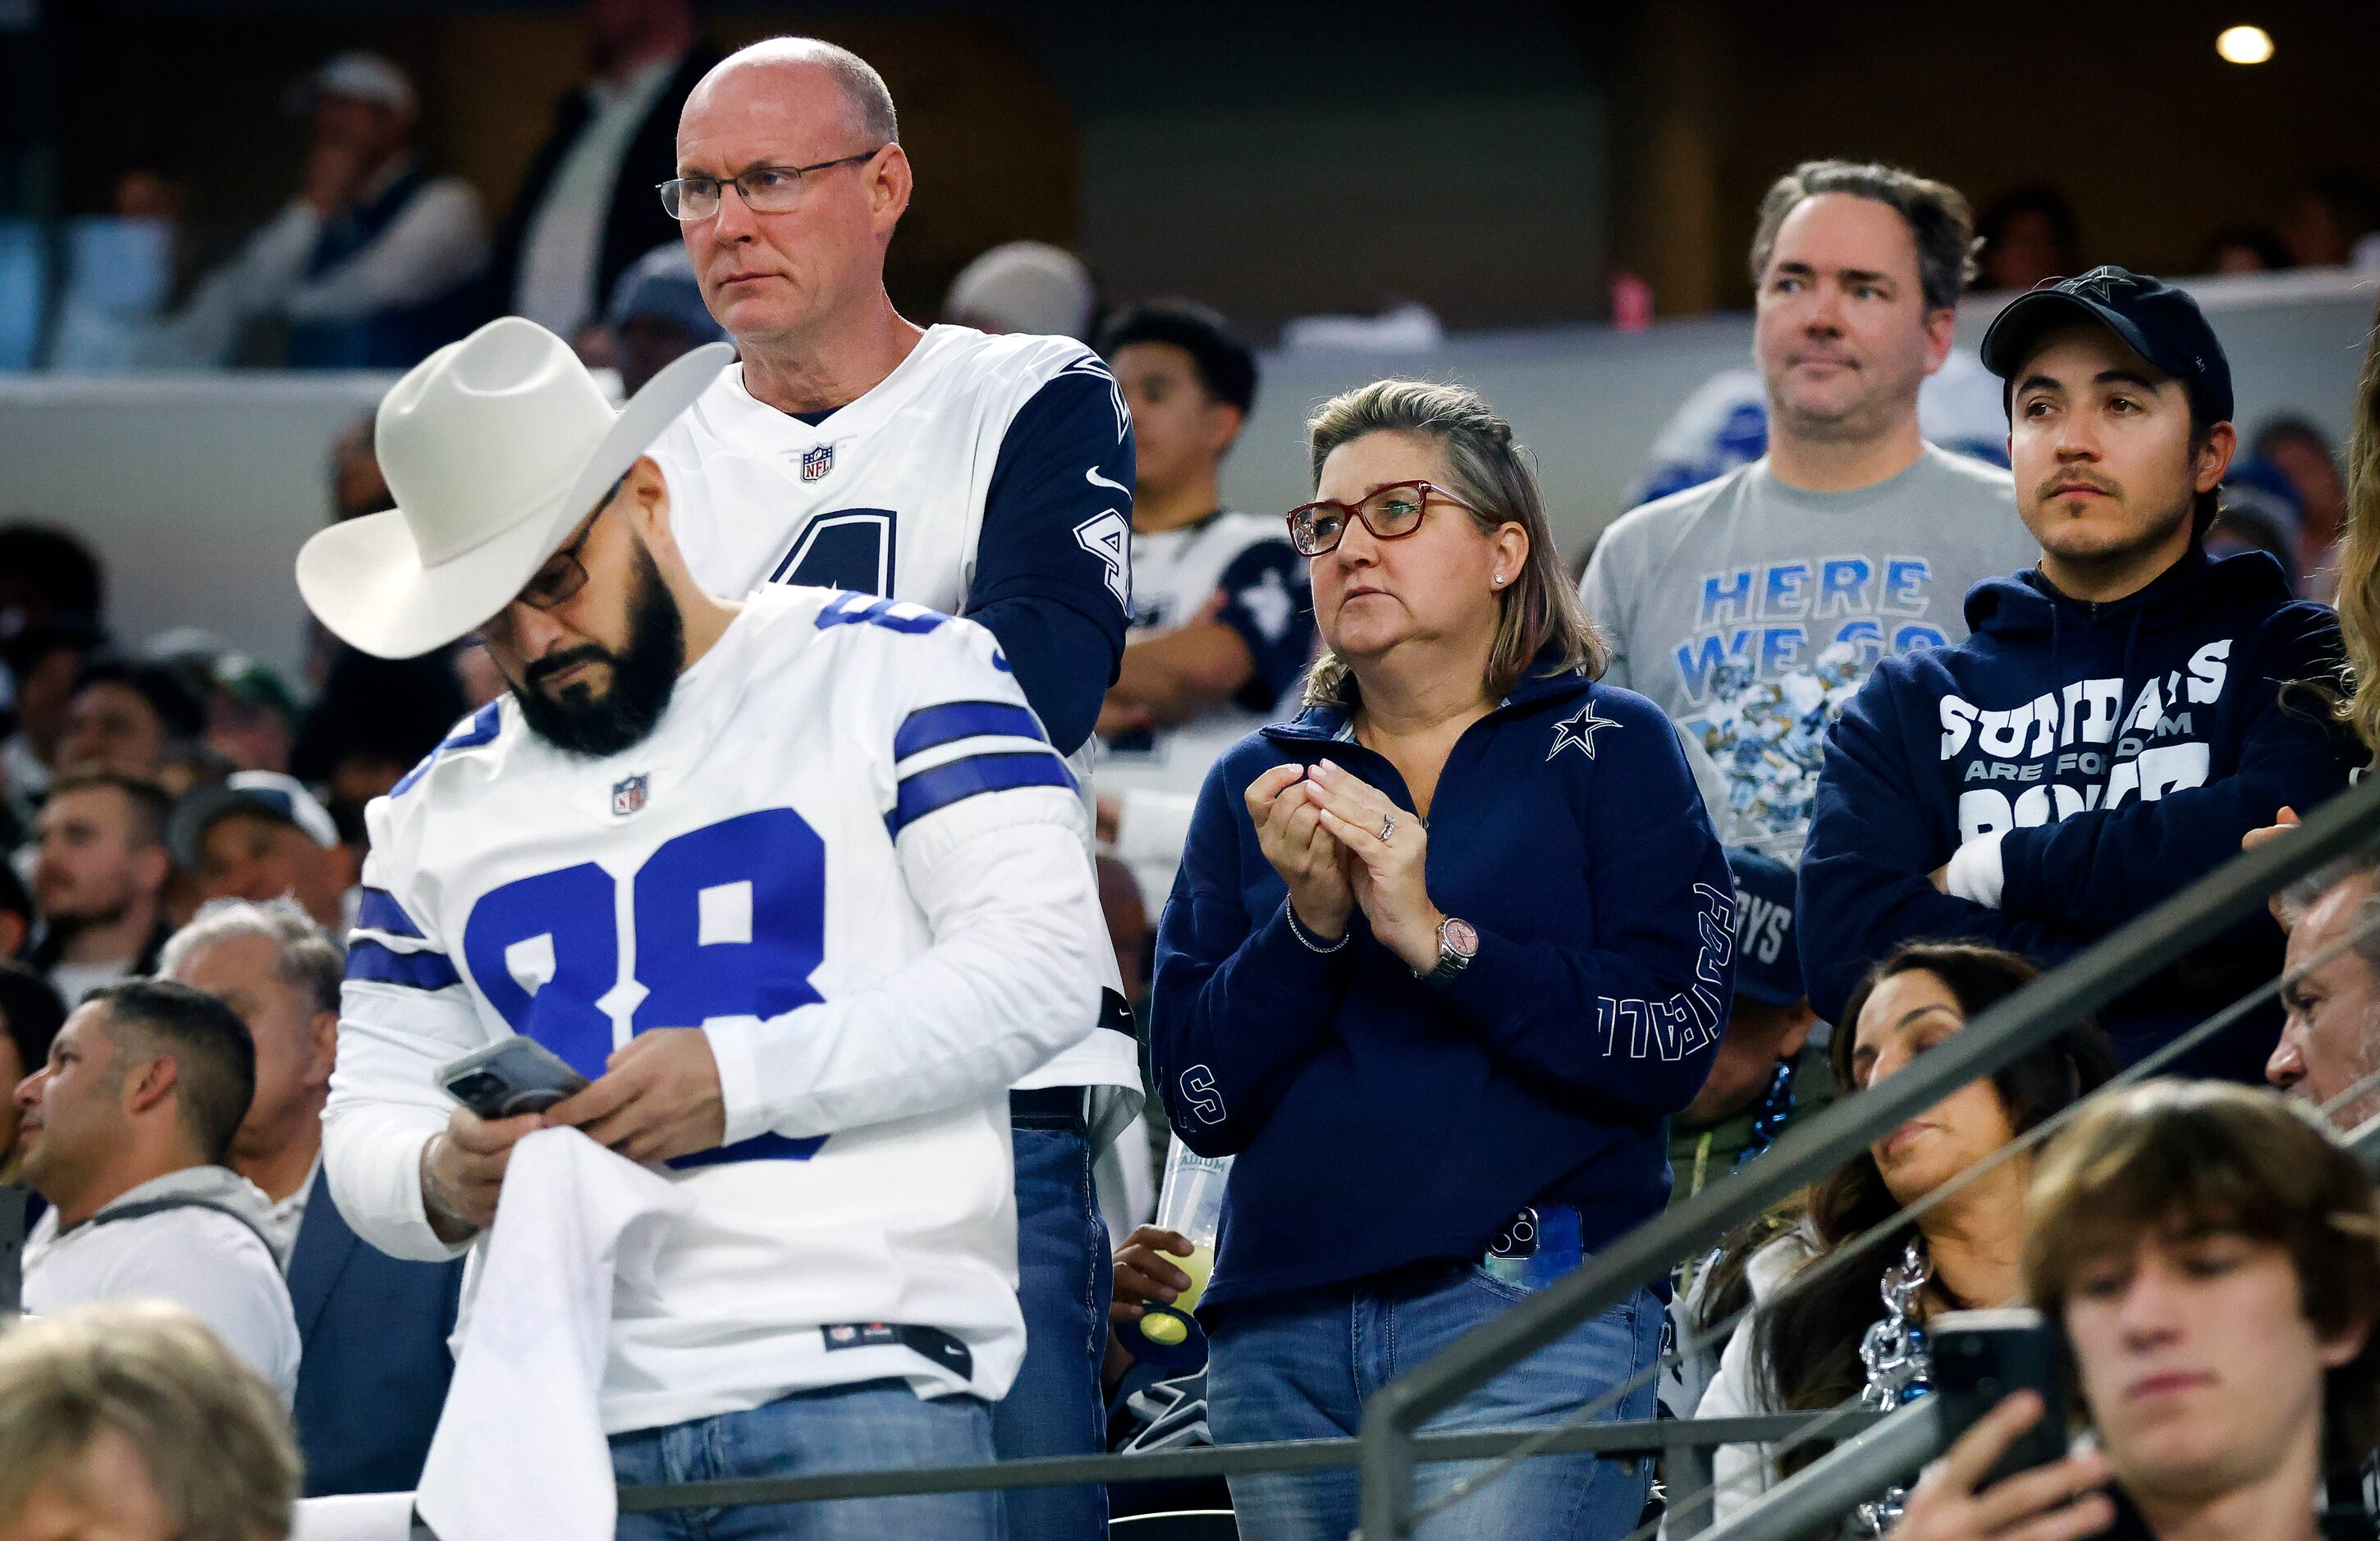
(2155, 319)
(1579, 729)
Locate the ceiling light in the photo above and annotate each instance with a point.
(2245, 46)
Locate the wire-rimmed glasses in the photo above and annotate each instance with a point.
(563, 575)
(765, 190)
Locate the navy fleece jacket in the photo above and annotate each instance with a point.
(2100, 758)
(1381, 1120)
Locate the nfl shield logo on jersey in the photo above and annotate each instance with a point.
(817, 461)
(628, 796)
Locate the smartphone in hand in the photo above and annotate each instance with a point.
(509, 1077)
(1981, 1358)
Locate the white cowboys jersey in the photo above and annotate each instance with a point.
(1238, 570)
(887, 495)
(847, 853)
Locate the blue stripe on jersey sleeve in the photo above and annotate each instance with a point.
(851, 610)
(479, 728)
(931, 791)
(383, 965)
(929, 727)
(378, 911)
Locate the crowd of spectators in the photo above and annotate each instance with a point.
(1553, 899)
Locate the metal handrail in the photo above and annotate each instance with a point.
(1894, 1449)
(2015, 1026)
(1634, 1437)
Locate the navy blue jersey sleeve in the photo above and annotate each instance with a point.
(1266, 599)
(1054, 562)
(1866, 883)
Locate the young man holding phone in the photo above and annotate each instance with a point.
(2213, 1259)
(797, 885)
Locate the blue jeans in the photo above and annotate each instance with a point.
(1303, 1366)
(1064, 1278)
(864, 1427)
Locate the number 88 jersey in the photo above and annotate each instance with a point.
(847, 853)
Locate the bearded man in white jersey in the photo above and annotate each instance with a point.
(796, 883)
(986, 477)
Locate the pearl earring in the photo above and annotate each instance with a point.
(1500, 579)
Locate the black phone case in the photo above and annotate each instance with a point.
(1977, 1368)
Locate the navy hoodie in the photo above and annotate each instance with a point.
(2115, 752)
(1382, 1120)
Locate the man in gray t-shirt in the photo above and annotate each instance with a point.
(1752, 607)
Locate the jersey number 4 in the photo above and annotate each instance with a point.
(727, 920)
(850, 548)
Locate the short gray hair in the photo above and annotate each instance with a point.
(1936, 214)
(2307, 892)
(306, 957)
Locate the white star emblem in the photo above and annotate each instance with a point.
(2100, 282)
(1579, 730)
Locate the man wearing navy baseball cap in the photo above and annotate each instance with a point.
(2115, 721)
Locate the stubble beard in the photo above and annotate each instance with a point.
(2120, 551)
(1867, 416)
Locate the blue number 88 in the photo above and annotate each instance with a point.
(727, 920)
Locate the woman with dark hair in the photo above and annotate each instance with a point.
(1813, 1349)
(1442, 955)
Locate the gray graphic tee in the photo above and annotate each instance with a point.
(1753, 611)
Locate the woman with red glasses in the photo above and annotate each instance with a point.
(1443, 953)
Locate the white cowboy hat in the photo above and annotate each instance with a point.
(495, 448)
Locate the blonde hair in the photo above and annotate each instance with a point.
(211, 1432)
(1488, 470)
(2358, 553)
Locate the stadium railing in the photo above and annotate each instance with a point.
(1880, 1450)
(2189, 919)
(1391, 1443)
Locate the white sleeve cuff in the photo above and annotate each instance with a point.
(734, 1050)
(1974, 872)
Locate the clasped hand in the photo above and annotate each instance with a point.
(1319, 826)
(657, 1098)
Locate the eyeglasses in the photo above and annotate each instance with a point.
(765, 190)
(1390, 513)
(564, 574)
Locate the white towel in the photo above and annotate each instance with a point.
(520, 1449)
(354, 1517)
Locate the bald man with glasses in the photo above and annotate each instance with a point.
(988, 477)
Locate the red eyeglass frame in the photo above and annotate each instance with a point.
(1355, 511)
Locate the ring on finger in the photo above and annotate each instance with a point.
(1388, 826)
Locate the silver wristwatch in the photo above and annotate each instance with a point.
(1457, 943)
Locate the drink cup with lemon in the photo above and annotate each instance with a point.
(1192, 1203)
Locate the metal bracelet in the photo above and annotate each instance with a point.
(433, 1201)
(1299, 932)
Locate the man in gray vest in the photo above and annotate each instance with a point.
(125, 1131)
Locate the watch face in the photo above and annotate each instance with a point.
(1462, 938)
